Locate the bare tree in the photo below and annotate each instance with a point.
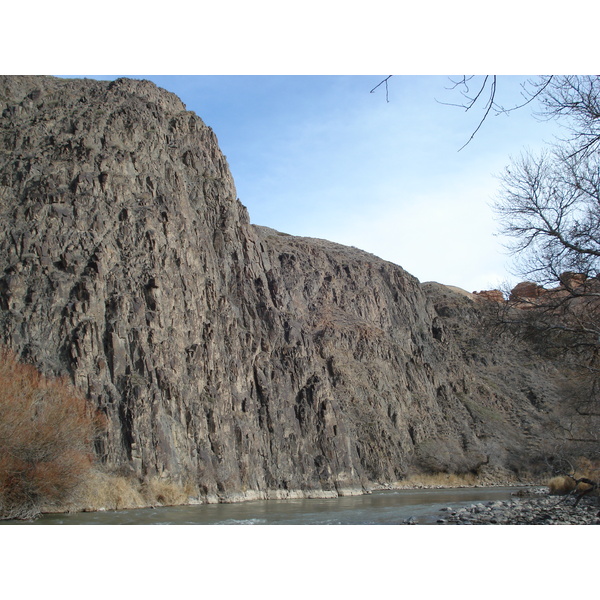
(575, 101)
(549, 205)
(387, 91)
(482, 90)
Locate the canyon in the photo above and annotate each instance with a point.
(251, 363)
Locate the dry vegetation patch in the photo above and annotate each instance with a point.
(47, 429)
(112, 491)
(581, 481)
(439, 480)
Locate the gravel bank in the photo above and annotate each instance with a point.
(534, 509)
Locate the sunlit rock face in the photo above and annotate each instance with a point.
(242, 359)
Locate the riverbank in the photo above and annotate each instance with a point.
(104, 491)
(108, 492)
(534, 508)
(386, 507)
(472, 505)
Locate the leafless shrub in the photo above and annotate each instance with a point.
(47, 429)
(561, 484)
(581, 478)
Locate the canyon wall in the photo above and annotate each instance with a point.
(227, 354)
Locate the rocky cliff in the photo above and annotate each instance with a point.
(246, 360)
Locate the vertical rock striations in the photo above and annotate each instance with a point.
(246, 360)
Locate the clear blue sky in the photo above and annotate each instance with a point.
(320, 156)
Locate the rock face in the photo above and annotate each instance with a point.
(493, 295)
(526, 290)
(243, 359)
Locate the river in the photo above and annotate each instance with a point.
(389, 507)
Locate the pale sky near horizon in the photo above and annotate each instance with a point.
(320, 156)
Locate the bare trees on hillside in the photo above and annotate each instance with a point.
(549, 206)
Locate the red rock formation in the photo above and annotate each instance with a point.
(493, 295)
(572, 280)
(526, 290)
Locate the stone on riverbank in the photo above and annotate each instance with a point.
(544, 510)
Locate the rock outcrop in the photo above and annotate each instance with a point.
(250, 362)
(528, 294)
(493, 295)
(526, 290)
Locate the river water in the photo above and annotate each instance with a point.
(389, 507)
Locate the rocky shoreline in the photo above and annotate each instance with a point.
(531, 507)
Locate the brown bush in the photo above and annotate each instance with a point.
(46, 436)
(584, 468)
(561, 485)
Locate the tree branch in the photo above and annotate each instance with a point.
(387, 99)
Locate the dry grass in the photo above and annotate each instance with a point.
(104, 491)
(439, 480)
(565, 484)
(110, 491)
(164, 492)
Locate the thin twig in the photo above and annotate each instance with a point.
(387, 99)
(487, 112)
